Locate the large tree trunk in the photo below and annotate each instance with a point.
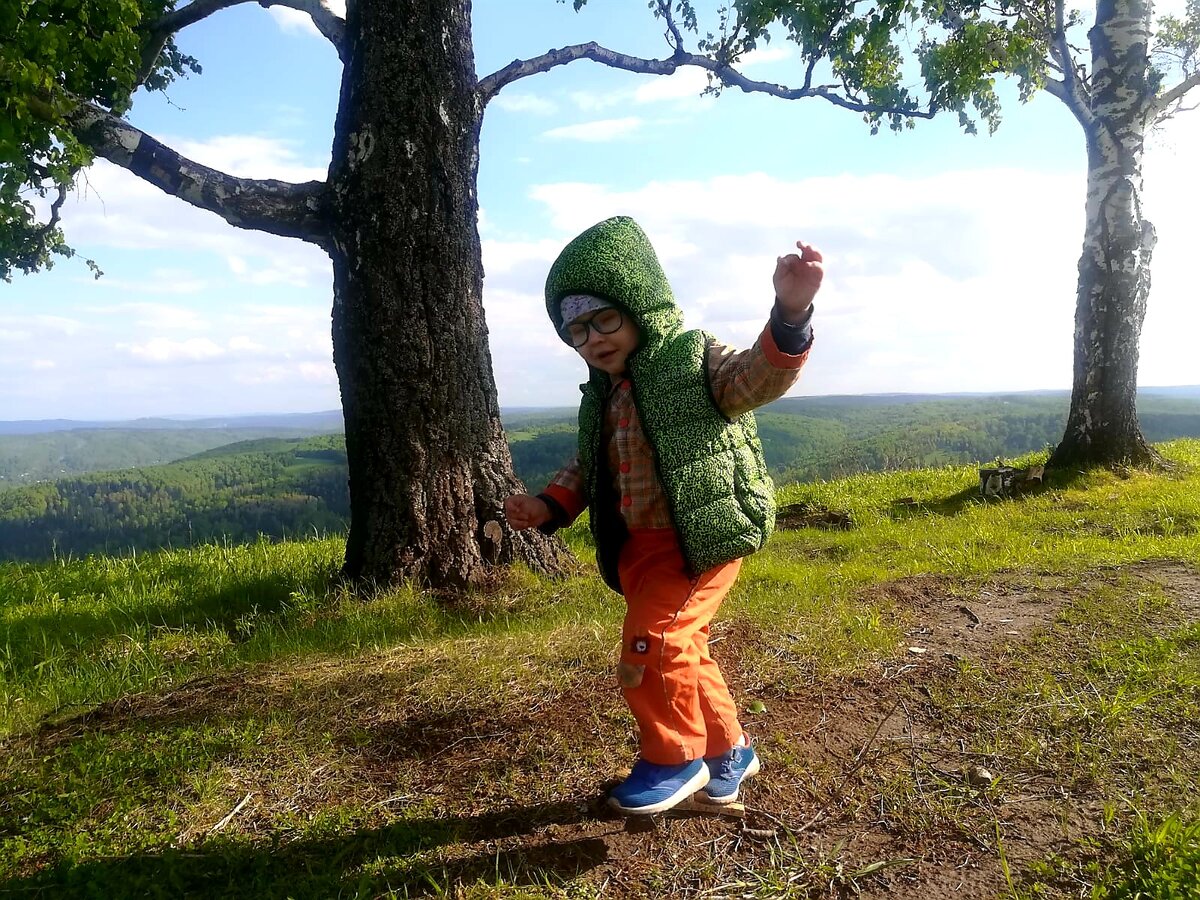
(1114, 269)
(429, 464)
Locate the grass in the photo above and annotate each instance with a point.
(1162, 860)
(142, 699)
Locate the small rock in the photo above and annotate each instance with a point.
(979, 776)
(969, 613)
(917, 651)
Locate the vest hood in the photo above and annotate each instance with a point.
(614, 259)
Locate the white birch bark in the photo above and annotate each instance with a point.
(1114, 267)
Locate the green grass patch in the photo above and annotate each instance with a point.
(1161, 862)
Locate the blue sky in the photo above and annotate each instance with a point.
(951, 258)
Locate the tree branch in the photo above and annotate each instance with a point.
(31, 256)
(523, 68)
(327, 21)
(664, 10)
(1162, 105)
(277, 207)
(1070, 90)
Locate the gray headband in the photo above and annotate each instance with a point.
(573, 306)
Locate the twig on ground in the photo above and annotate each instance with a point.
(233, 812)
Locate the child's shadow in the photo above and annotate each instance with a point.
(401, 857)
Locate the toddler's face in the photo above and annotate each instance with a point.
(606, 352)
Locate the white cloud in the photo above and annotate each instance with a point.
(311, 373)
(157, 281)
(600, 130)
(682, 89)
(771, 53)
(242, 344)
(292, 21)
(56, 325)
(504, 256)
(250, 156)
(316, 372)
(958, 281)
(157, 316)
(598, 101)
(165, 350)
(1176, 8)
(686, 83)
(1172, 196)
(530, 103)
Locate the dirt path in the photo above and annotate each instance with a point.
(824, 808)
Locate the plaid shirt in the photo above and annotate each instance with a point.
(741, 381)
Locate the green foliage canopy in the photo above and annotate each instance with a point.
(959, 49)
(55, 54)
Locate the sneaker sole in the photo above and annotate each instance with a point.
(685, 791)
(751, 769)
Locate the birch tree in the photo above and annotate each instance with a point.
(1122, 93)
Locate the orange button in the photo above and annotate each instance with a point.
(623, 423)
(627, 501)
(625, 467)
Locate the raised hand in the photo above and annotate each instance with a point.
(797, 279)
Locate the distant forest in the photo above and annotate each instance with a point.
(275, 487)
(288, 487)
(46, 455)
(820, 438)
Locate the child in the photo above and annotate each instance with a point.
(670, 464)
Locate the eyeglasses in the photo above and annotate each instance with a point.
(604, 322)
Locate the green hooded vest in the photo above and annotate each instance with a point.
(711, 467)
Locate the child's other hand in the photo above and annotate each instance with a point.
(797, 279)
(523, 511)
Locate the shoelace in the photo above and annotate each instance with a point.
(728, 763)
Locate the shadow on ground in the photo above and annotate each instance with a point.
(403, 857)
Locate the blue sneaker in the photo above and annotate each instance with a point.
(727, 772)
(653, 789)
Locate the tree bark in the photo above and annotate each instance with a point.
(429, 463)
(1114, 268)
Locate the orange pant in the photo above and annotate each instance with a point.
(673, 686)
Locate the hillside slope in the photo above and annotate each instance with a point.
(272, 486)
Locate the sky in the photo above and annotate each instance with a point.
(950, 258)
